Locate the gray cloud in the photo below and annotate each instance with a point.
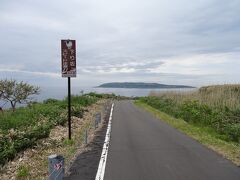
(139, 41)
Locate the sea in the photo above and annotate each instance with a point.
(61, 92)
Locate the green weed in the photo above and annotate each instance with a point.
(22, 172)
(69, 142)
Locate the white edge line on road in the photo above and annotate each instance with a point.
(103, 159)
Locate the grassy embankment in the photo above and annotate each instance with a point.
(210, 115)
(21, 129)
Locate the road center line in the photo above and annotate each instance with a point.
(103, 159)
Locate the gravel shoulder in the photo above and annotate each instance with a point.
(86, 163)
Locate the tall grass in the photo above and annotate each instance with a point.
(217, 107)
(219, 96)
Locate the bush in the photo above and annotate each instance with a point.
(226, 122)
(7, 150)
(39, 132)
(22, 143)
(77, 111)
(61, 120)
(50, 100)
(233, 132)
(21, 129)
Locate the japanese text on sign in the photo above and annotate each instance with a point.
(68, 58)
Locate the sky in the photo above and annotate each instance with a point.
(171, 42)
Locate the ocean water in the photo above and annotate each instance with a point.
(61, 92)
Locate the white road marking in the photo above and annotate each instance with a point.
(103, 159)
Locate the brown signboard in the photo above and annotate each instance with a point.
(68, 58)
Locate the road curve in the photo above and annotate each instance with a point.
(144, 148)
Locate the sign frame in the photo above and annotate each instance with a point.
(68, 56)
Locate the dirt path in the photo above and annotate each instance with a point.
(86, 164)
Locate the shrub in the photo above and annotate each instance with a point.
(77, 111)
(7, 150)
(22, 129)
(50, 101)
(224, 121)
(233, 132)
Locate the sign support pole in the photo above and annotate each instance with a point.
(68, 56)
(69, 108)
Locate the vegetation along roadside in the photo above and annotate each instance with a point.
(20, 128)
(211, 115)
(41, 129)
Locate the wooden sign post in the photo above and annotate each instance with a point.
(68, 54)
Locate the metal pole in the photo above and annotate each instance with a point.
(69, 108)
(95, 123)
(86, 136)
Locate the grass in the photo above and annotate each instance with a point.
(68, 142)
(21, 129)
(217, 96)
(216, 107)
(22, 172)
(35, 158)
(204, 135)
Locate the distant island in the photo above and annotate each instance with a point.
(140, 85)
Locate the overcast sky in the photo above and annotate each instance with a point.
(173, 42)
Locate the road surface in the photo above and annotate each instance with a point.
(144, 148)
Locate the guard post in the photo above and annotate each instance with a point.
(55, 167)
(98, 117)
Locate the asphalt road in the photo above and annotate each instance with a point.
(144, 148)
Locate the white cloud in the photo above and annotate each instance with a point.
(188, 42)
(31, 73)
(27, 20)
(200, 64)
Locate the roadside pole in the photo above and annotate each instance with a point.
(68, 54)
(69, 108)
